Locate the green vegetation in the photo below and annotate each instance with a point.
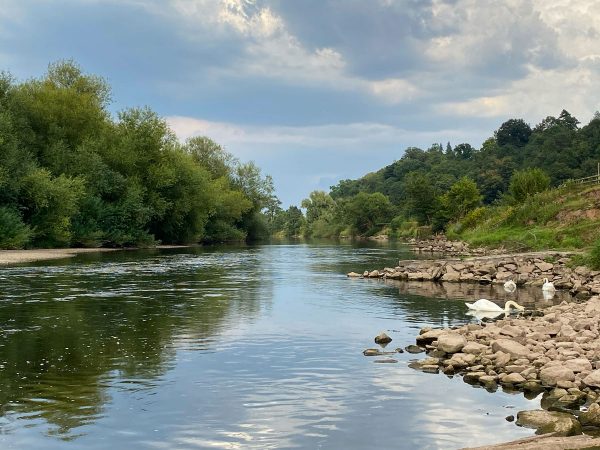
(512, 192)
(70, 174)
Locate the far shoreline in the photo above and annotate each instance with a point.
(10, 257)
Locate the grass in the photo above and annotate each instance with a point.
(556, 219)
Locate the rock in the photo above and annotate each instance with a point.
(399, 350)
(593, 379)
(383, 339)
(386, 361)
(510, 418)
(509, 346)
(562, 424)
(578, 365)
(372, 352)
(550, 376)
(429, 336)
(451, 342)
(545, 442)
(374, 274)
(474, 348)
(414, 349)
(591, 417)
(544, 266)
(354, 275)
(513, 378)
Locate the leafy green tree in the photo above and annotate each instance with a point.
(513, 132)
(462, 197)
(365, 212)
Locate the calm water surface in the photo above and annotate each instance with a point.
(249, 348)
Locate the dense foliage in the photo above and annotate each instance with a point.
(71, 174)
(436, 187)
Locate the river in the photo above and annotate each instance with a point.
(229, 347)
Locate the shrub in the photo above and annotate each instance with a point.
(594, 256)
(525, 183)
(14, 233)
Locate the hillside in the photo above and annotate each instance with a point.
(566, 218)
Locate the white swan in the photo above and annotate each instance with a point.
(480, 315)
(486, 305)
(548, 286)
(510, 286)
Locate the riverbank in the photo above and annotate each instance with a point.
(8, 257)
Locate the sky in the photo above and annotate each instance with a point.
(315, 91)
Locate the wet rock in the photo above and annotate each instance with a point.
(383, 339)
(414, 349)
(399, 350)
(510, 418)
(591, 417)
(562, 424)
(374, 274)
(429, 336)
(386, 361)
(354, 275)
(451, 342)
(372, 352)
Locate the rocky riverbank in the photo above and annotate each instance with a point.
(525, 269)
(442, 246)
(557, 354)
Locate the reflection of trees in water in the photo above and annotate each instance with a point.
(58, 358)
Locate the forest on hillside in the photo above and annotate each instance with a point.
(73, 175)
(441, 185)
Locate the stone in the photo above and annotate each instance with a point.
(354, 275)
(578, 365)
(513, 378)
(382, 338)
(372, 352)
(414, 349)
(386, 361)
(474, 348)
(374, 274)
(591, 417)
(509, 346)
(451, 342)
(550, 376)
(593, 379)
(560, 423)
(429, 336)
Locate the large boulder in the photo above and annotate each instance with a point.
(559, 423)
(429, 336)
(474, 348)
(451, 342)
(511, 347)
(551, 376)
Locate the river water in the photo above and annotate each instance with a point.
(232, 347)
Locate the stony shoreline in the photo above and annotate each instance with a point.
(557, 354)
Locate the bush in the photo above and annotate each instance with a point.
(594, 256)
(525, 183)
(14, 234)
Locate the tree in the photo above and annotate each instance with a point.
(463, 197)
(419, 197)
(365, 212)
(513, 132)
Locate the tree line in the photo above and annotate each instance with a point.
(71, 174)
(443, 184)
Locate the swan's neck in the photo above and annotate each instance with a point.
(513, 304)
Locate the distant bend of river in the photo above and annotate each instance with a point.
(229, 347)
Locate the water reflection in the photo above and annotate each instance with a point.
(254, 347)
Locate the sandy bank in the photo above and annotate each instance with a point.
(8, 257)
